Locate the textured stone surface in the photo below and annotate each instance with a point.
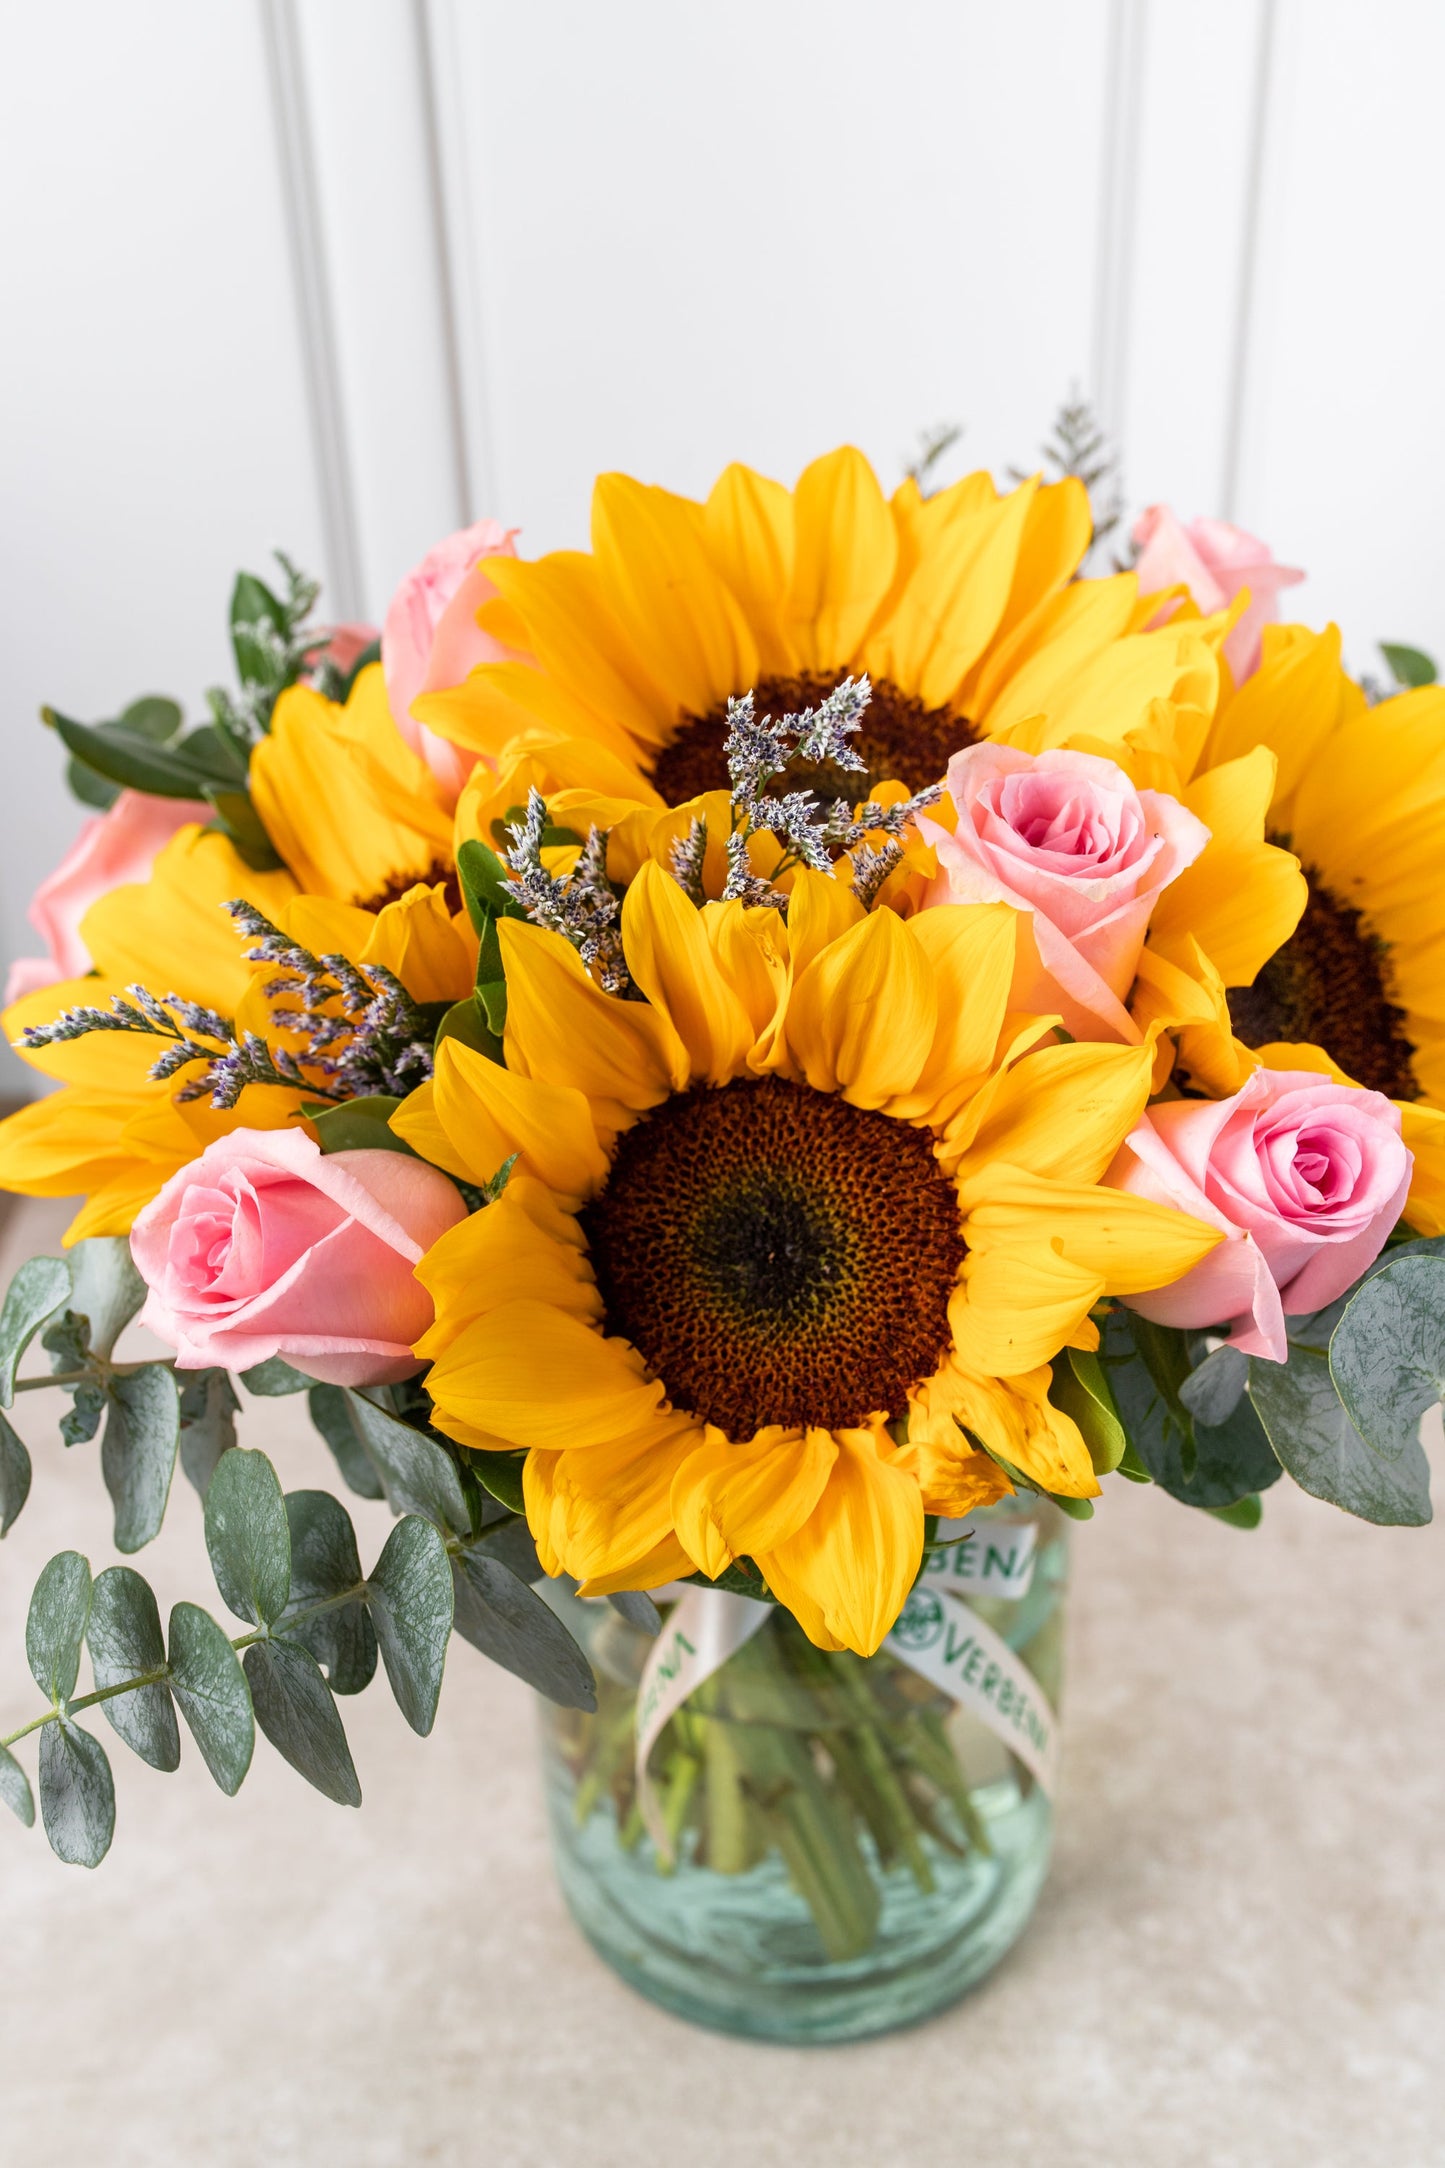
(1238, 1963)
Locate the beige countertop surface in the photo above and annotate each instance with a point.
(1239, 1960)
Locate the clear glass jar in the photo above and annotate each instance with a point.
(853, 1849)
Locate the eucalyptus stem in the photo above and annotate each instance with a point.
(94, 1374)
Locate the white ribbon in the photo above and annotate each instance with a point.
(938, 1634)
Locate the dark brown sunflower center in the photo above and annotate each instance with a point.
(437, 873)
(777, 1256)
(900, 739)
(1329, 985)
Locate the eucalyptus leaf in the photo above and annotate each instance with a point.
(81, 1419)
(417, 1473)
(487, 888)
(410, 1593)
(295, 1709)
(154, 716)
(1319, 1445)
(639, 1610)
(55, 1628)
(275, 1379)
(509, 1622)
(466, 1020)
(331, 1414)
(106, 1289)
(124, 1639)
(1387, 1354)
(248, 1537)
(38, 1290)
(1081, 1389)
(1200, 1464)
(208, 1682)
(14, 1476)
(501, 1475)
(91, 789)
(77, 1794)
(1408, 665)
(510, 1541)
(1248, 1513)
(362, 1125)
(325, 1564)
(15, 1788)
(209, 1408)
(131, 759)
(1212, 1390)
(138, 1452)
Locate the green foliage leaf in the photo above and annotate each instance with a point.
(275, 1379)
(14, 1476)
(106, 1289)
(248, 1537)
(467, 1020)
(132, 760)
(124, 1639)
(362, 1125)
(418, 1475)
(15, 1788)
(55, 1628)
(501, 1475)
(639, 1610)
(1212, 1390)
(1248, 1513)
(1201, 1464)
(331, 1414)
(1387, 1353)
(1408, 665)
(153, 716)
(324, 1564)
(208, 1682)
(77, 1794)
(138, 1452)
(295, 1709)
(510, 1541)
(1319, 1445)
(38, 1290)
(237, 818)
(510, 1623)
(253, 604)
(91, 789)
(1081, 1389)
(209, 1408)
(487, 890)
(81, 1420)
(410, 1592)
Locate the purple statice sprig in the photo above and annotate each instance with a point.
(582, 906)
(365, 1034)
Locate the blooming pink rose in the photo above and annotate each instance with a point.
(1067, 838)
(1214, 561)
(266, 1245)
(119, 845)
(431, 638)
(1304, 1176)
(344, 643)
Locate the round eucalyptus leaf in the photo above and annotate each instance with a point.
(639, 1610)
(419, 1475)
(509, 1622)
(138, 1451)
(295, 1709)
(325, 1564)
(1387, 1353)
(208, 1682)
(15, 1788)
(209, 1408)
(124, 1639)
(330, 1412)
(14, 1476)
(38, 1290)
(410, 1593)
(1321, 1448)
(248, 1536)
(77, 1794)
(55, 1628)
(105, 1288)
(275, 1379)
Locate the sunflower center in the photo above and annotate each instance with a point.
(1329, 985)
(900, 739)
(436, 874)
(778, 1256)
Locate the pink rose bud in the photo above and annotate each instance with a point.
(431, 638)
(1306, 1178)
(344, 645)
(1067, 838)
(1214, 561)
(265, 1245)
(119, 846)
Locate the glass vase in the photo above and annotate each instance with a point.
(847, 1848)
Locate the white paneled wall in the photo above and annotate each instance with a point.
(339, 273)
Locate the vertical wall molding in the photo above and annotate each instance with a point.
(1118, 196)
(315, 316)
(445, 264)
(1242, 341)
(458, 239)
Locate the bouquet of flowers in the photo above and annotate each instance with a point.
(743, 1072)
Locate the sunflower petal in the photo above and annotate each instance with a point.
(487, 1113)
(953, 601)
(845, 550)
(564, 1030)
(672, 960)
(847, 1571)
(523, 1248)
(1063, 1110)
(862, 1017)
(666, 596)
(748, 532)
(970, 951)
(612, 1504)
(1242, 898)
(539, 1376)
(732, 1500)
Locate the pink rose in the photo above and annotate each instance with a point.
(431, 638)
(1067, 838)
(265, 1245)
(119, 845)
(344, 644)
(1214, 561)
(1306, 1178)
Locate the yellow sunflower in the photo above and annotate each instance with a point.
(1353, 980)
(962, 608)
(780, 1231)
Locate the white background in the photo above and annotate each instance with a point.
(339, 273)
